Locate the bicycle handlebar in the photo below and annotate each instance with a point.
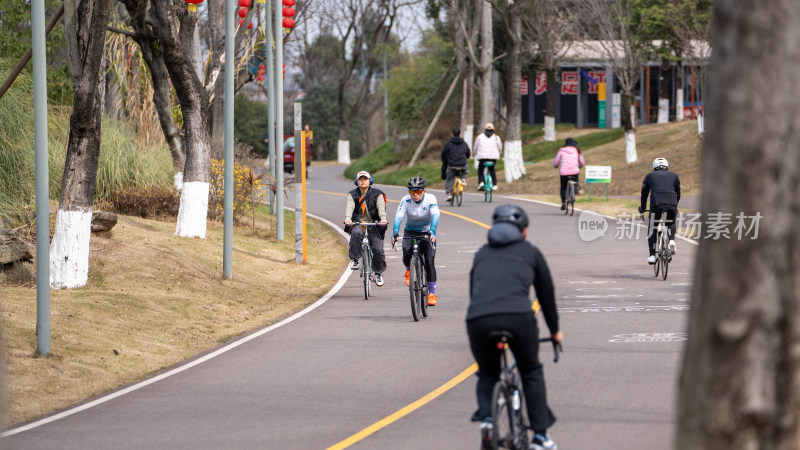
(421, 238)
(556, 347)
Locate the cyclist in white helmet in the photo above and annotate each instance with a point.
(664, 188)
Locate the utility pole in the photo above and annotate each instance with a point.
(42, 179)
(227, 240)
(272, 140)
(279, 118)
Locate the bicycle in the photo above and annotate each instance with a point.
(509, 415)
(458, 187)
(663, 253)
(418, 279)
(569, 197)
(366, 258)
(487, 182)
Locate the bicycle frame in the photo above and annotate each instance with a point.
(418, 282)
(487, 182)
(366, 258)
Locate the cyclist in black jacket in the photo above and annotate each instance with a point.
(664, 188)
(502, 273)
(454, 157)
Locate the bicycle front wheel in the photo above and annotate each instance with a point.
(502, 417)
(413, 288)
(366, 270)
(656, 266)
(664, 254)
(423, 292)
(459, 197)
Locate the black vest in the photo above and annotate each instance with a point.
(370, 199)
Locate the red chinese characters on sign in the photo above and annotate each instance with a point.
(524, 86)
(541, 83)
(569, 83)
(600, 76)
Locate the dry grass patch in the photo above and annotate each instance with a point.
(678, 142)
(154, 300)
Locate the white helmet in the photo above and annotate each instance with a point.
(660, 163)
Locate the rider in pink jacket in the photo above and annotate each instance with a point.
(569, 161)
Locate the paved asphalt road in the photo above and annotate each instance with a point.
(366, 370)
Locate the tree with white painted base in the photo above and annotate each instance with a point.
(85, 26)
(513, 163)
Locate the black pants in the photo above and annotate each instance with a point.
(425, 247)
(481, 165)
(564, 181)
(669, 214)
(375, 241)
(525, 347)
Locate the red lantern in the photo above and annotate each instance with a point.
(260, 78)
(289, 3)
(192, 5)
(244, 3)
(288, 12)
(242, 12)
(287, 22)
(250, 25)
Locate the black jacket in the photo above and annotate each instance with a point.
(664, 188)
(502, 274)
(455, 153)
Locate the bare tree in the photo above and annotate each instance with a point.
(550, 32)
(85, 25)
(141, 19)
(690, 25)
(175, 32)
(362, 28)
(465, 16)
(513, 163)
(619, 34)
(739, 382)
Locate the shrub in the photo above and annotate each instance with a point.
(147, 202)
(247, 189)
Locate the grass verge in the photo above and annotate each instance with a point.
(154, 300)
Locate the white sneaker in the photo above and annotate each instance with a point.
(354, 264)
(651, 259)
(480, 185)
(486, 434)
(542, 442)
(464, 182)
(449, 197)
(672, 247)
(494, 188)
(378, 279)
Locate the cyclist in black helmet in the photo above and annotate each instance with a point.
(422, 214)
(499, 285)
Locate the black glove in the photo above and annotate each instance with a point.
(641, 210)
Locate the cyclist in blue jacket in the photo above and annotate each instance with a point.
(499, 299)
(422, 212)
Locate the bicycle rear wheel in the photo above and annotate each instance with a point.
(459, 197)
(413, 288)
(502, 417)
(366, 270)
(656, 266)
(664, 255)
(452, 199)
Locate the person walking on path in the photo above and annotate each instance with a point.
(487, 148)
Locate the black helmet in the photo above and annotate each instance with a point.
(512, 214)
(416, 183)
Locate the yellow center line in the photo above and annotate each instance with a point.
(408, 409)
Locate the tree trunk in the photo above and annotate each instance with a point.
(485, 71)
(216, 26)
(679, 92)
(142, 19)
(664, 90)
(739, 386)
(550, 112)
(343, 145)
(512, 153)
(629, 119)
(69, 251)
(177, 49)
